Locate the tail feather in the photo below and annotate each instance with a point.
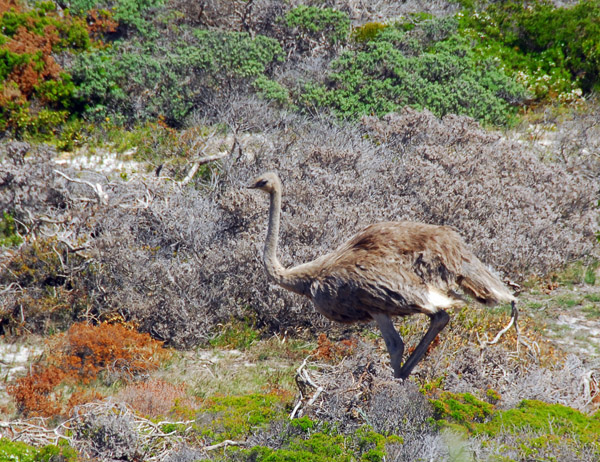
(482, 284)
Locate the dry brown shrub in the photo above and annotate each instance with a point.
(154, 397)
(329, 351)
(76, 358)
(100, 23)
(6, 5)
(85, 351)
(27, 42)
(35, 393)
(182, 260)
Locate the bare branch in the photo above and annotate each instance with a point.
(97, 188)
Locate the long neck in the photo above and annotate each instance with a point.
(283, 277)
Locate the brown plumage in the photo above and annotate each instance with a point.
(387, 269)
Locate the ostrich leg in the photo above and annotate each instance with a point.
(438, 322)
(393, 341)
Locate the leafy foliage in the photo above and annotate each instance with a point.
(553, 51)
(130, 14)
(391, 71)
(164, 79)
(322, 25)
(29, 72)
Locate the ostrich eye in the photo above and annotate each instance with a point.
(261, 183)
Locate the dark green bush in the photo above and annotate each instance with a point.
(398, 68)
(144, 81)
(131, 14)
(319, 23)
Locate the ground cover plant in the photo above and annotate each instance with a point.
(137, 322)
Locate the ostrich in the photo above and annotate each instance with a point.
(386, 270)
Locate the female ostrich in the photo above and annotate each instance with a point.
(388, 269)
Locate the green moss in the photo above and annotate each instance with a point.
(232, 417)
(535, 427)
(16, 451)
(552, 419)
(364, 445)
(461, 408)
(8, 231)
(367, 32)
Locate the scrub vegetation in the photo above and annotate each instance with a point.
(137, 321)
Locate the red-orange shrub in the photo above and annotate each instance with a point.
(79, 356)
(34, 393)
(85, 351)
(329, 351)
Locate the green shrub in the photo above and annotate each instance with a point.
(21, 452)
(29, 73)
(152, 79)
(323, 445)
(8, 231)
(132, 14)
(319, 23)
(271, 90)
(392, 71)
(534, 427)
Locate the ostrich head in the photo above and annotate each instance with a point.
(268, 182)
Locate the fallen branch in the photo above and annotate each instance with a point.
(101, 196)
(303, 381)
(196, 165)
(224, 444)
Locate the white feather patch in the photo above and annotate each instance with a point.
(439, 299)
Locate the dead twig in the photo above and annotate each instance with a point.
(101, 196)
(303, 381)
(224, 444)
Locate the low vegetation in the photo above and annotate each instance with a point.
(136, 318)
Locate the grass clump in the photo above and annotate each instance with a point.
(237, 334)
